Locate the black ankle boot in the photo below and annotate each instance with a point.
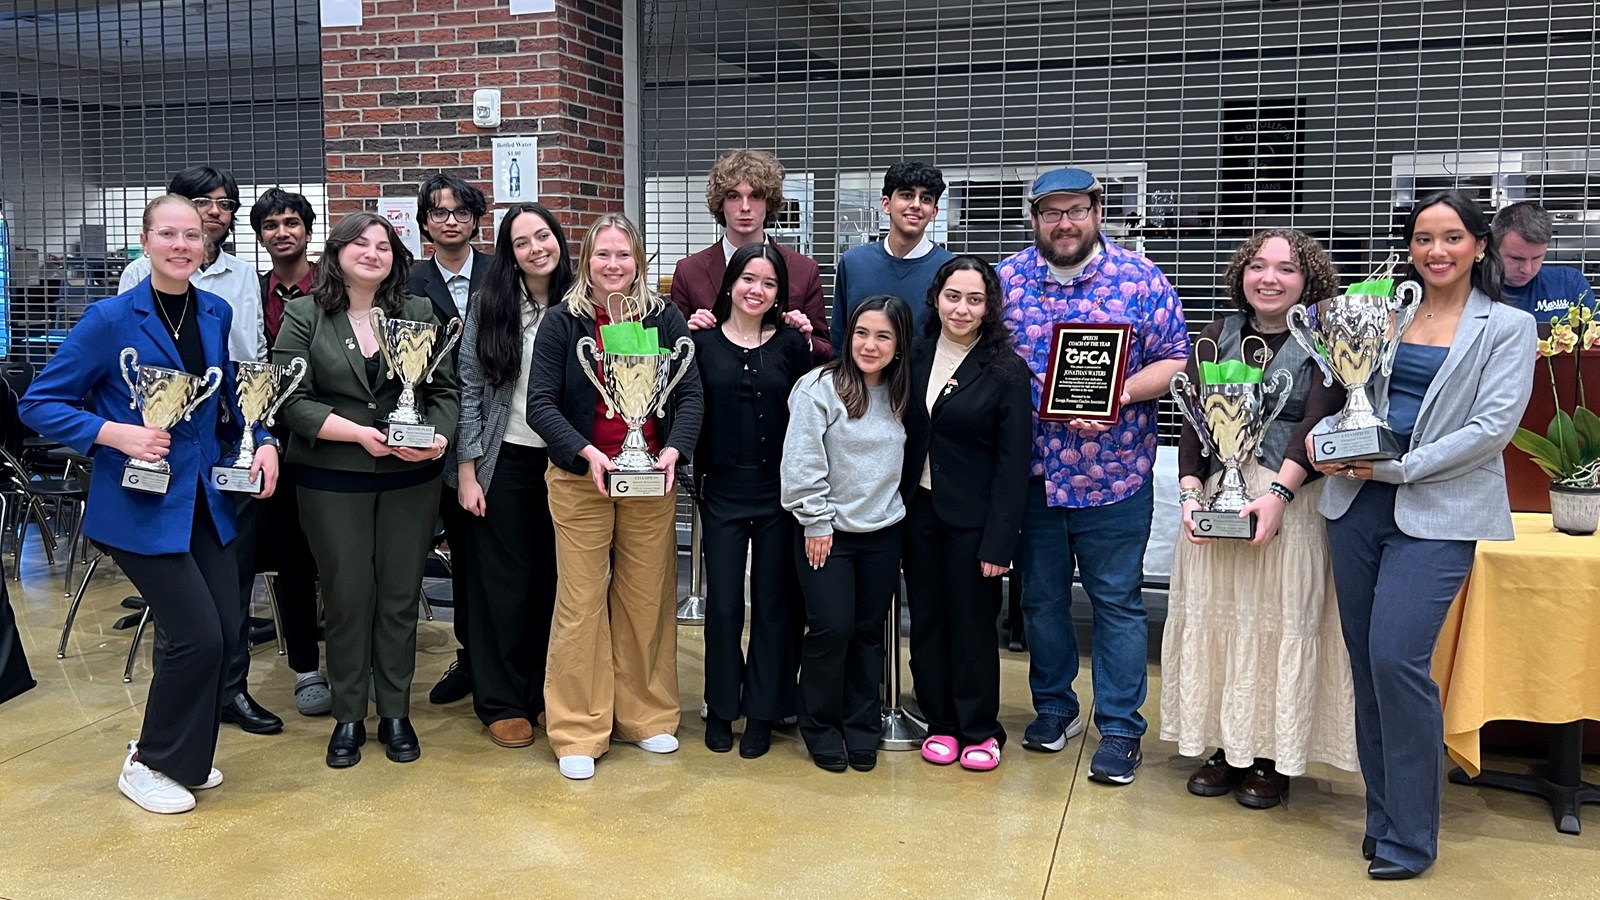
(719, 734)
(757, 738)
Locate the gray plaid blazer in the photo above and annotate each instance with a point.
(485, 410)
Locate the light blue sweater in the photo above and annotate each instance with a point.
(869, 269)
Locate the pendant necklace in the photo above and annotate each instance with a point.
(162, 309)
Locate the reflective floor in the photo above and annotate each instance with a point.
(472, 820)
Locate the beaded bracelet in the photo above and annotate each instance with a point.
(1283, 493)
(1187, 494)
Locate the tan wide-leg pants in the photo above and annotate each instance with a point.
(614, 640)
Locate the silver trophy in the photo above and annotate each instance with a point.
(408, 348)
(634, 387)
(1351, 337)
(262, 390)
(1231, 420)
(163, 397)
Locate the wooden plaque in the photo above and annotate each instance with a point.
(1088, 364)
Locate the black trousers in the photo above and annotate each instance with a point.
(740, 511)
(847, 602)
(194, 597)
(513, 588)
(247, 522)
(955, 650)
(281, 547)
(458, 532)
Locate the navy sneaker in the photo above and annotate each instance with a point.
(1049, 733)
(1116, 759)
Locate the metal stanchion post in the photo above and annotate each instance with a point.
(902, 730)
(692, 609)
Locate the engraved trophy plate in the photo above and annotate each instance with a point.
(409, 349)
(1352, 337)
(163, 397)
(262, 392)
(634, 387)
(1231, 421)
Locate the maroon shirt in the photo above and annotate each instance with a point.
(275, 295)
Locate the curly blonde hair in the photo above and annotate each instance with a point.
(1322, 279)
(761, 170)
(640, 300)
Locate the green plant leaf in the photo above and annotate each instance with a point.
(1543, 453)
(1564, 434)
(1588, 427)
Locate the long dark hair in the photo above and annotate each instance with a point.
(500, 299)
(723, 307)
(993, 337)
(1489, 273)
(849, 381)
(328, 288)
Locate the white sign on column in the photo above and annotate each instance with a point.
(516, 169)
(402, 214)
(341, 13)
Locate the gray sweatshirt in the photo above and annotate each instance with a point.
(838, 472)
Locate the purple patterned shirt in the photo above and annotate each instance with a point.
(1119, 286)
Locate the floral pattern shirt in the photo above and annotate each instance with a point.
(1118, 286)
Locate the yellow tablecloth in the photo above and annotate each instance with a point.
(1522, 640)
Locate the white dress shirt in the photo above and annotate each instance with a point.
(459, 283)
(236, 283)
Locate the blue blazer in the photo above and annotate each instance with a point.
(85, 366)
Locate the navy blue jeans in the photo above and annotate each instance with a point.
(1394, 592)
(1106, 545)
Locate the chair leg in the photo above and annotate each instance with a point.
(47, 537)
(72, 611)
(427, 608)
(133, 649)
(72, 558)
(270, 580)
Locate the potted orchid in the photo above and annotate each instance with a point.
(1569, 450)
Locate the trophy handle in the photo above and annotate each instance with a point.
(1300, 329)
(213, 381)
(1183, 392)
(376, 319)
(1281, 392)
(296, 370)
(588, 367)
(1407, 297)
(684, 347)
(452, 333)
(128, 361)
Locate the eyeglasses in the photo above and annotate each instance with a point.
(1052, 216)
(460, 214)
(173, 235)
(206, 203)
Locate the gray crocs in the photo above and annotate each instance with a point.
(312, 696)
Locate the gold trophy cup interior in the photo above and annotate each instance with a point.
(163, 397)
(409, 349)
(634, 387)
(1231, 419)
(262, 390)
(1352, 337)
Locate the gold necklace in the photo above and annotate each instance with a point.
(161, 308)
(358, 320)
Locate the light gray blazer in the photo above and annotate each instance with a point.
(1453, 480)
(485, 410)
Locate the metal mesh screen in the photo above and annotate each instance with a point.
(102, 101)
(1207, 119)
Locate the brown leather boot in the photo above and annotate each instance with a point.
(1215, 777)
(511, 732)
(1264, 786)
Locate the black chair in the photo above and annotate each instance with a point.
(18, 374)
(138, 620)
(33, 493)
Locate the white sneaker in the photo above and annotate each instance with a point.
(152, 790)
(661, 743)
(576, 767)
(212, 780)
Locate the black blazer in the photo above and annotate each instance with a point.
(561, 399)
(427, 282)
(979, 440)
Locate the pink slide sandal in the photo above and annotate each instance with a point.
(940, 749)
(981, 757)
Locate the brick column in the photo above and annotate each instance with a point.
(397, 95)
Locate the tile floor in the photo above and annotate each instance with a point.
(473, 820)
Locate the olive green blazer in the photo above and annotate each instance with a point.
(336, 382)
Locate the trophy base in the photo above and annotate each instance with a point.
(229, 478)
(1372, 442)
(146, 481)
(636, 484)
(1217, 524)
(400, 434)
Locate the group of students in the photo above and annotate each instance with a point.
(827, 461)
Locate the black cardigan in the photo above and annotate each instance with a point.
(777, 365)
(561, 399)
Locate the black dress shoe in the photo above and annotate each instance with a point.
(831, 762)
(1383, 870)
(719, 734)
(863, 760)
(399, 739)
(344, 748)
(1369, 847)
(757, 738)
(246, 713)
(455, 684)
